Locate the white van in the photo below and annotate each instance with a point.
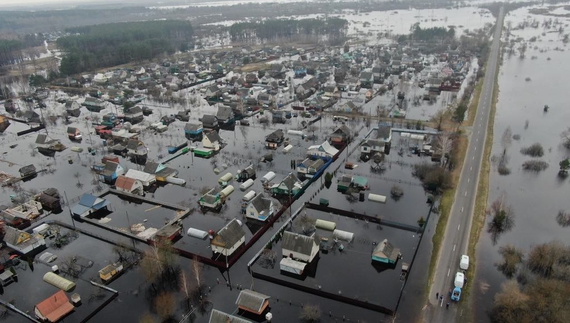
(464, 262)
(459, 280)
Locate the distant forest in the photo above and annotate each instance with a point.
(332, 30)
(11, 50)
(108, 45)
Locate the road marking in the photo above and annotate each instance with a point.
(473, 157)
(471, 168)
(479, 131)
(461, 211)
(477, 140)
(448, 271)
(469, 179)
(465, 193)
(459, 225)
(453, 247)
(475, 148)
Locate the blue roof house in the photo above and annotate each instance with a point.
(89, 204)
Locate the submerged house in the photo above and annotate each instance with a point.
(274, 139)
(160, 171)
(54, 308)
(134, 115)
(211, 200)
(246, 173)
(290, 185)
(212, 140)
(308, 167)
(111, 171)
(137, 151)
(340, 136)
(129, 185)
(21, 241)
(209, 121)
(298, 251)
(225, 115)
(89, 204)
(145, 178)
(252, 301)
(228, 239)
(28, 171)
(385, 252)
(193, 131)
(93, 104)
(221, 317)
(72, 108)
(260, 208)
(324, 150)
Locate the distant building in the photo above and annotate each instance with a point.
(289, 186)
(228, 239)
(129, 185)
(89, 204)
(193, 131)
(212, 140)
(274, 139)
(298, 250)
(324, 150)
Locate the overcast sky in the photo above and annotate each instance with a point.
(42, 3)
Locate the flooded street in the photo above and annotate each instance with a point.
(525, 87)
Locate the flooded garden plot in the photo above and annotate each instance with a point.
(79, 258)
(350, 248)
(379, 178)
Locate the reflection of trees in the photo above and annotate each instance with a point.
(502, 221)
(512, 258)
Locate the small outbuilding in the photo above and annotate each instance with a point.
(89, 204)
(54, 308)
(386, 253)
(252, 301)
(221, 317)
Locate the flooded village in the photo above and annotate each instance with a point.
(300, 173)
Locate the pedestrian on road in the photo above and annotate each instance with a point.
(447, 306)
(437, 295)
(441, 297)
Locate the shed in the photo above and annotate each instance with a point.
(325, 225)
(292, 266)
(6, 277)
(53, 308)
(252, 301)
(58, 281)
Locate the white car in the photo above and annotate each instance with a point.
(464, 262)
(459, 280)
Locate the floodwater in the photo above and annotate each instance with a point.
(535, 198)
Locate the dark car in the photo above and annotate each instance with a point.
(182, 116)
(166, 120)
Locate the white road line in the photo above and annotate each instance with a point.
(471, 168)
(468, 180)
(458, 226)
(465, 193)
(477, 140)
(475, 148)
(453, 247)
(461, 211)
(448, 271)
(473, 157)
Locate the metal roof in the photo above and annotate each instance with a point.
(251, 300)
(297, 243)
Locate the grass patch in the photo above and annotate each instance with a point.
(474, 102)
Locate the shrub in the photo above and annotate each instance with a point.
(534, 150)
(535, 165)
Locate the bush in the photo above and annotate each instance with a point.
(534, 150)
(563, 218)
(512, 258)
(310, 314)
(535, 165)
(433, 177)
(396, 192)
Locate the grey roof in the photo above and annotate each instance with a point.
(71, 129)
(342, 130)
(297, 242)
(250, 170)
(365, 75)
(260, 203)
(134, 110)
(150, 167)
(386, 250)
(213, 136)
(350, 105)
(110, 168)
(221, 317)
(224, 113)
(251, 299)
(27, 169)
(213, 88)
(133, 144)
(12, 236)
(229, 235)
(209, 120)
(275, 136)
(290, 181)
(192, 126)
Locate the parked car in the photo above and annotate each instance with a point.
(166, 120)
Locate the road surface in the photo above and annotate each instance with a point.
(456, 236)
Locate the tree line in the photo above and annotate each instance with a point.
(332, 29)
(93, 47)
(11, 50)
(431, 34)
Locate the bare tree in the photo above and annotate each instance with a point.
(438, 119)
(512, 258)
(165, 304)
(197, 268)
(147, 318)
(444, 144)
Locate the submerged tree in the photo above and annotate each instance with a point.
(310, 314)
(502, 218)
(512, 258)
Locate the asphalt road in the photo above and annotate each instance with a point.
(456, 236)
